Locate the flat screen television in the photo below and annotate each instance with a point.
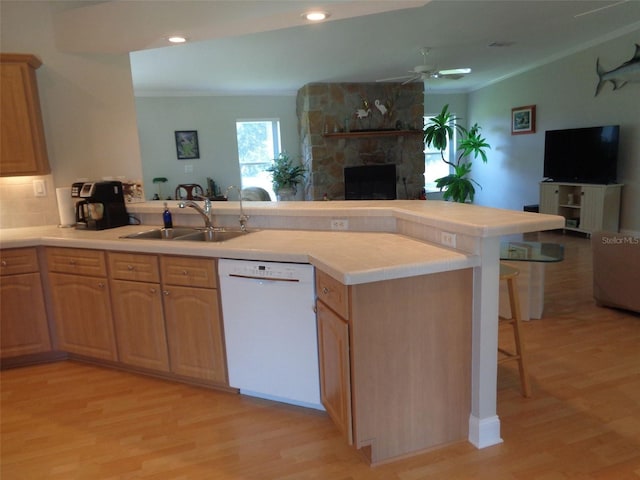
(582, 155)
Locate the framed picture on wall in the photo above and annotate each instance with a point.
(187, 144)
(523, 120)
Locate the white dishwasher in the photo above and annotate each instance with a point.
(270, 330)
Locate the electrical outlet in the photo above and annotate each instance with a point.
(448, 239)
(339, 224)
(188, 168)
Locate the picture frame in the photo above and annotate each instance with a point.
(523, 120)
(187, 144)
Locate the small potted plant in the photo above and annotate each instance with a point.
(457, 186)
(285, 176)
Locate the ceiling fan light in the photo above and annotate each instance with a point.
(315, 16)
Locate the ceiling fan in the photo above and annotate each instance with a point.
(426, 72)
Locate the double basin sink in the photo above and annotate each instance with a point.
(188, 233)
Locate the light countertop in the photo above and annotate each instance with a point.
(350, 257)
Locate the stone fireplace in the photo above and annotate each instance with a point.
(360, 124)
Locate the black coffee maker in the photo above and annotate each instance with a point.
(100, 205)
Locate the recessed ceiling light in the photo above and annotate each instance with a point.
(316, 16)
(177, 39)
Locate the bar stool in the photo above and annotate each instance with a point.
(509, 274)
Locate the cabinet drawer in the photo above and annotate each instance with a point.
(333, 293)
(18, 260)
(188, 271)
(133, 266)
(76, 260)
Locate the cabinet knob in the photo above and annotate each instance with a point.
(325, 290)
(72, 262)
(100, 284)
(165, 293)
(4, 263)
(152, 290)
(130, 268)
(185, 272)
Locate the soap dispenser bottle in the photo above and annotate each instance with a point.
(166, 217)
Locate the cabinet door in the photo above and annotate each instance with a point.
(83, 315)
(549, 199)
(194, 333)
(335, 377)
(592, 205)
(23, 319)
(139, 324)
(23, 147)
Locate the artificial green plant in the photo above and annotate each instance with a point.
(458, 185)
(284, 174)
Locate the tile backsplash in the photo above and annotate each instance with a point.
(19, 207)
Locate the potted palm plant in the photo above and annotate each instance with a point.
(457, 186)
(285, 176)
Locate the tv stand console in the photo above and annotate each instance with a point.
(586, 207)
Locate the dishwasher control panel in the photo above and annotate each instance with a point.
(266, 270)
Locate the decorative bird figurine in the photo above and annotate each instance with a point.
(362, 113)
(381, 107)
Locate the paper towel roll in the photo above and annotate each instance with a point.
(66, 207)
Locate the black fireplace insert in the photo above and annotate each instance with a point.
(370, 182)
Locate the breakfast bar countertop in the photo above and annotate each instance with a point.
(296, 232)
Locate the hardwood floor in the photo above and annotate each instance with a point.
(74, 421)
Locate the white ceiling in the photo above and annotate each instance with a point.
(257, 47)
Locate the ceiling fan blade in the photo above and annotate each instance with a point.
(412, 79)
(450, 76)
(455, 71)
(390, 79)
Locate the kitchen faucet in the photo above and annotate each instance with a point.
(205, 212)
(243, 217)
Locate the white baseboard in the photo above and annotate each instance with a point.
(484, 432)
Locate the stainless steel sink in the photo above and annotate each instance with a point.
(188, 233)
(162, 233)
(214, 235)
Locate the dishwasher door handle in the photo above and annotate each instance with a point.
(266, 279)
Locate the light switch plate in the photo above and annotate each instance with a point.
(39, 188)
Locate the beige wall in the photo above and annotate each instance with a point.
(564, 93)
(87, 100)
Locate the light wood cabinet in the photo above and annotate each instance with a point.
(138, 315)
(24, 328)
(23, 150)
(335, 368)
(396, 370)
(81, 302)
(587, 208)
(193, 320)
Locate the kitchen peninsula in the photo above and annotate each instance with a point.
(414, 275)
